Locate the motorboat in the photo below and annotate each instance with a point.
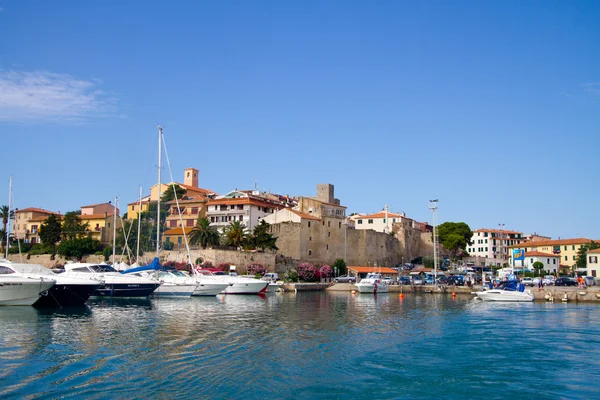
(68, 291)
(236, 284)
(373, 283)
(21, 291)
(275, 287)
(509, 291)
(115, 284)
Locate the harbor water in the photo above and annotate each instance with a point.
(311, 345)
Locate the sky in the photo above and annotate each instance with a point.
(491, 107)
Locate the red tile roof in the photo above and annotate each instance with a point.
(504, 231)
(363, 270)
(99, 204)
(594, 251)
(95, 216)
(34, 209)
(539, 254)
(380, 214)
(244, 200)
(556, 242)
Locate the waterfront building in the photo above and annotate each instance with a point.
(190, 184)
(566, 249)
(551, 261)
(190, 209)
(133, 209)
(380, 222)
(248, 207)
(100, 219)
(176, 237)
(493, 244)
(593, 266)
(26, 223)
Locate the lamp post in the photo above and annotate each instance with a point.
(433, 206)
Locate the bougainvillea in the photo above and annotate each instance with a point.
(224, 267)
(256, 269)
(325, 271)
(307, 272)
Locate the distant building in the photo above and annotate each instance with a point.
(190, 184)
(493, 244)
(100, 219)
(566, 249)
(247, 207)
(593, 266)
(176, 237)
(551, 261)
(27, 222)
(534, 237)
(133, 209)
(380, 222)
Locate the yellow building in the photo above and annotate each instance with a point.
(190, 210)
(27, 223)
(565, 248)
(100, 220)
(190, 184)
(133, 209)
(175, 236)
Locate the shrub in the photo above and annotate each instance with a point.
(206, 264)
(224, 267)
(107, 252)
(291, 275)
(199, 261)
(340, 264)
(325, 271)
(307, 272)
(256, 269)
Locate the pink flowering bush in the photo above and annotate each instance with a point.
(256, 269)
(224, 267)
(206, 264)
(325, 271)
(307, 272)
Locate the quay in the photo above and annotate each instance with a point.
(557, 293)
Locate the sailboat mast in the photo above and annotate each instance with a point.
(137, 253)
(9, 219)
(115, 231)
(158, 207)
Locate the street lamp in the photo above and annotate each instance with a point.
(433, 206)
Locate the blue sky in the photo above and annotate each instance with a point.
(491, 107)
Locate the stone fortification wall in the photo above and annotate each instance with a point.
(240, 259)
(44, 259)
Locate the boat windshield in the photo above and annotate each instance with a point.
(102, 268)
(5, 270)
(509, 285)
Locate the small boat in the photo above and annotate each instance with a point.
(115, 284)
(236, 284)
(68, 291)
(373, 283)
(275, 287)
(21, 291)
(509, 291)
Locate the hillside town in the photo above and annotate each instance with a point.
(307, 228)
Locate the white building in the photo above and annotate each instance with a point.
(380, 222)
(593, 266)
(493, 243)
(246, 207)
(551, 261)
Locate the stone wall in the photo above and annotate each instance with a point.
(238, 258)
(44, 259)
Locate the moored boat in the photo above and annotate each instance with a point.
(22, 291)
(509, 291)
(373, 283)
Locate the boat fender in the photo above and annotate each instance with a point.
(401, 295)
(354, 292)
(453, 294)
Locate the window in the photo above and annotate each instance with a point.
(310, 252)
(323, 223)
(309, 224)
(360, 221)
(370, 221)
(241, 217)
(486, 241)
(393, 220)
(565, 247)
(189, 222)
(566, 258)
(573, 247)
(384, 220)
(554, 261)
(179, 240)
(328, 234)
(329, 224)
(327, 247)
(340, 225)
(485, 234)
(194, 210)
(531, 260)
(232, 207)
(6, 271)
(240, 207)
(573, 258)
(173, 223)
(594, 273)
(310, 238)
(230, 218)
(594, 259)
(547, 261)
(216, 208)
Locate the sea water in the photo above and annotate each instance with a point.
(315, 345)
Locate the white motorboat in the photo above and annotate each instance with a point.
(236, 284)
(373, 283)
(68, 291)
(275, 287)
(21, 291)
(509, 291)
(115, 283)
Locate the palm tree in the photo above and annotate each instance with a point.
(235, 234)
(204, 234)
(5, 214)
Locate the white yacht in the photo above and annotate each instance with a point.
(68, 291)
(509, 291)
(373, 283)
(115, 283)
(21, 291)
(236, 284)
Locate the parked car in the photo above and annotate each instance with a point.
(565, 282)
(442, 280)
(388, 281)
(417, 280)
(456, 280)
(529, 281)
(271, 276)
(404, 280)
(548, 280)
(589, 281)
(345, 279)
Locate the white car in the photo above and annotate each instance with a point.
(530, 281)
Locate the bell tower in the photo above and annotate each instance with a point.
(190, 177)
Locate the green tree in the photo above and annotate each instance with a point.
(340, 265)
(235, 234)
(581, 261)
(538, 266)
(147, 237)
(262, 239)
(454, 236)
(73, 227)
(6, 214)
(77, 248)
(169, 193)
(50, 232)
(203, 234)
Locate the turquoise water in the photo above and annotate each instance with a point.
(305, 345)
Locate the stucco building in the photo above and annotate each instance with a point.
(27, 222)
(551, 261)
(100, 219)
(493, 244)
(566, 249)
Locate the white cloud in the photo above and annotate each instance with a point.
(45, 96)
(593, 88)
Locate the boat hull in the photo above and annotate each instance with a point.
(274, 287)
(371, 288)
(209, 289)
(63, 295)
(246, 288)
(22, 292)
(126, 289)
(504, 296)
(179, 290)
